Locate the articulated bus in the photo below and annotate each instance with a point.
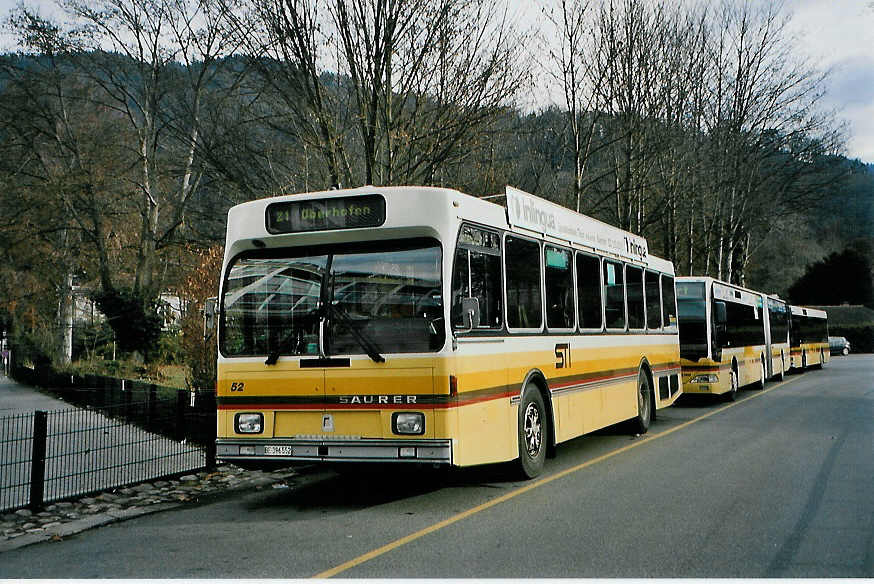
(729, 336)
(809, 338)
(423, 325)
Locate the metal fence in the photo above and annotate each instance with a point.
(50, 456)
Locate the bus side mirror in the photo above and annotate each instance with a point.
(209, 313)
(720, 313)
(470, 313)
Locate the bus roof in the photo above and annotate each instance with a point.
(417, 205)
(805, 311)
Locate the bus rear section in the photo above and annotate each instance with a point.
(723, 337)
(808, 332)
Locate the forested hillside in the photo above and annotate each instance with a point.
(128, 134)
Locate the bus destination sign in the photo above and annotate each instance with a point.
(326, 214)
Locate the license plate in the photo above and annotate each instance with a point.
(277, 450)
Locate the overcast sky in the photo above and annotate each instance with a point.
(840, 34)
(836, 34)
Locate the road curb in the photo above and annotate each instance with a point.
(80, 525)
(76, 526)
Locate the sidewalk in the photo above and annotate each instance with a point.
(71, 516)
(14, 396)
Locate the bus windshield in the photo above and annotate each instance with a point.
(371, 299)
(692, 314)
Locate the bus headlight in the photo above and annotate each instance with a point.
(408, 423)
(708, 378)
(249, 423)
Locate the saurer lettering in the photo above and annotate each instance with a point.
(377, 399)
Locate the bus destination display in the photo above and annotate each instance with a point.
(326, 214)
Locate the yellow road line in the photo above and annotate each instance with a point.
(521, 490)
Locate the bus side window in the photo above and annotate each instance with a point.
(524, 305)
(589, 291)
(634, 285)
(669, 302)
(477, 274)
(559, 284)
(653, 301)
(614, 295)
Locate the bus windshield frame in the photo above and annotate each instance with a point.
(343, 299)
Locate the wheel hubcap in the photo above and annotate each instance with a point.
(533, 430)
(643, 401)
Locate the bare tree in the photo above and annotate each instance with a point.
(62, 174)
(764, 96)
(415, 83)
(134, 50)
(580, 84)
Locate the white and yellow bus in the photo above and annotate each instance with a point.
(413, 324)
(730, 336)
(809, 338)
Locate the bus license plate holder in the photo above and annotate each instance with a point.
(277, 450)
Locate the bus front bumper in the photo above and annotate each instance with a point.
(353, 450)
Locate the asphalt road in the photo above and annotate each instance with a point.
(780, 484)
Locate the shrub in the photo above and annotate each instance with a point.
(134, 319)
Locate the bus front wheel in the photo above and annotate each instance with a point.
(533, 432)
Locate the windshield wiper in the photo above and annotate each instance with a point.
(372, 350)
(295, 335)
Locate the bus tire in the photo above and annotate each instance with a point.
(782, 375)
(760, 384)
(645, 405)
(533, 432)
(733, 381)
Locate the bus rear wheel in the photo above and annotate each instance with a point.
(533, 432)
(732, 392)
(645, 405)
(760, 384)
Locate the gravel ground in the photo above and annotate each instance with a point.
(61, 519)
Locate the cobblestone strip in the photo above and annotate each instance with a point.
(59, 520)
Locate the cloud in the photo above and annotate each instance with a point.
(861, 142)
(852, 82)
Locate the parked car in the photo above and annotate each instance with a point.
(839, 345)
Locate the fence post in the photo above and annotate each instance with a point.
(126, 398)
(38, 459)
(210, 455)
(205, 414)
